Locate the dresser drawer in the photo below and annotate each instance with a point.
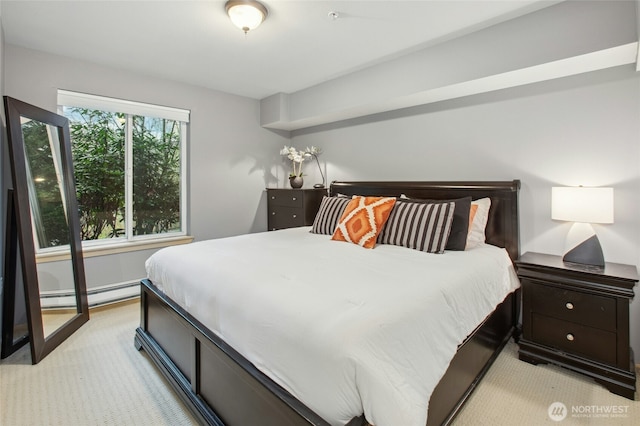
(285, 217)
(287, 198)
(575, 306)
(574, 338)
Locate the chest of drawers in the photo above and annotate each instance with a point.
(290, 208)
(578, 318)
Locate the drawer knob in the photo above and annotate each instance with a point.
(273, 197)
(295, 215)
(273, 213)
(294, 198)
(569, 305)
(570, 337)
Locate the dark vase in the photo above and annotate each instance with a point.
(296, 181)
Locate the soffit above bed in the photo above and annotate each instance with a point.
(566, 39)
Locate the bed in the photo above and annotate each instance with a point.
(207, 362)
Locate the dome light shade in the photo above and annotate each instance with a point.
(246, 14)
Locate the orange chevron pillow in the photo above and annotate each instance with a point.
(363, 219)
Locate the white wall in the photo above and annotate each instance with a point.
(230, 155)
(577, 130)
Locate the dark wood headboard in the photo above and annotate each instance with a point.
(502, 227)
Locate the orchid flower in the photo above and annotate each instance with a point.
(298, 157)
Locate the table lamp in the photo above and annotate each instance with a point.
(583, 206)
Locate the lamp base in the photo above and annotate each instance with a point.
(318, 185)
(583, 246)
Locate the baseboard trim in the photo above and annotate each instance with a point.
(98, 296)
(116, 304)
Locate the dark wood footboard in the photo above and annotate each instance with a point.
(222, 388)
(206, 372)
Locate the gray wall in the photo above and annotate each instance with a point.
(231, 157)
(581, 130)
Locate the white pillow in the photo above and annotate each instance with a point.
(476, 234)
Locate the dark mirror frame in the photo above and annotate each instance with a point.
(15, 110)
(14, 333)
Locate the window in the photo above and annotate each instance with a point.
(129, 162)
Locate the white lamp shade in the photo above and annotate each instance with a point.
(581, 204)
(246, 15)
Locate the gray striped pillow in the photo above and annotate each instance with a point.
(419, 226)
(329, 213)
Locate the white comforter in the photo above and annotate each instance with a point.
(345, 329)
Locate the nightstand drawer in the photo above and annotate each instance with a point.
(285, 217)
(575, 306)
(290, 208)
(286, 198)
(574, 338)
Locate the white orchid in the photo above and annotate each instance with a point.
(314, 150)
(298, 157)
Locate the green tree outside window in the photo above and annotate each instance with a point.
(99, 146)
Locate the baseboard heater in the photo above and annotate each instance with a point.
(112, 293)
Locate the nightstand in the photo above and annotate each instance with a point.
(290, 208)
(578, 318)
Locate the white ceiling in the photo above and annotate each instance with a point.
(298, 46)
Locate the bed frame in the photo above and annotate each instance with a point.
(222, 388)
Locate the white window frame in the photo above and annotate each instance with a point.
(68, 98)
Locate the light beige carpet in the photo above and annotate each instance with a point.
(517, 393)
(98, 378)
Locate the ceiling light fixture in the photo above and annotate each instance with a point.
(246, 14)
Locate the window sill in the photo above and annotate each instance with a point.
(117, 248)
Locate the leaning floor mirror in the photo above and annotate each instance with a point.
(49, 250)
